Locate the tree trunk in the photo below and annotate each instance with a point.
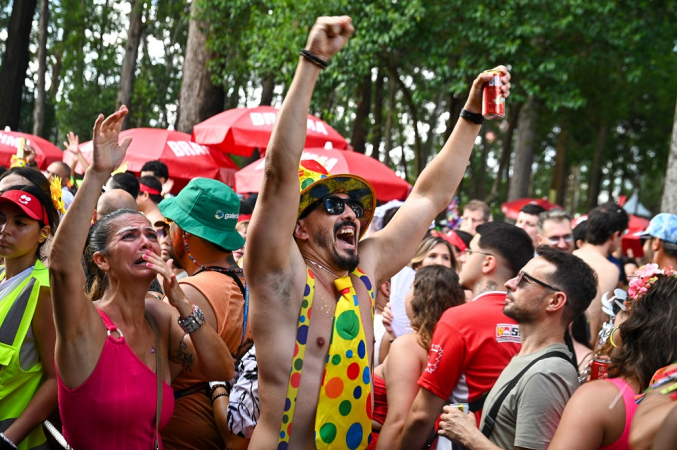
(409, 100)
(267, 90)
(575, 191)
(15, 62)
(360, 127)
(506, 152)
(377, 129)
(595, 182)
(481, 175)
(669, 200)
(524, 150)
(40, 101)
(559, 175)
(392, 90)
(199, 99)
(454, 105)
(128, 72)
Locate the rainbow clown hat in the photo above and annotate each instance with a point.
(317, 183)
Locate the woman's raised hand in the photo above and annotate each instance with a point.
(108, 153)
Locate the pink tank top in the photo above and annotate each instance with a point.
(623, 442)
(115, 407)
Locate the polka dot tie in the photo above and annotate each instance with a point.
(343, 418)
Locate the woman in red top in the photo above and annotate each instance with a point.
(435, 290)
(600, 413)
(105, 351)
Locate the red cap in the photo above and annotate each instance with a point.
(452, 238)
(28, 204)
(148, 189)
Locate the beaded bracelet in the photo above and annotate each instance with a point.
(321, 63)
(215, 386)
(219, 395)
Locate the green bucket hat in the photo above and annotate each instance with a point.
(208, 209)
(316, 183)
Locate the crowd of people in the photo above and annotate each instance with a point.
(128, 316)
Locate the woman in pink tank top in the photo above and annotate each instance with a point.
(106, 349)
(599, 415)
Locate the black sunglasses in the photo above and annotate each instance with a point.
(335, 206)
(525, 276)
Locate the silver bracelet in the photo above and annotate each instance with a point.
(6, 439)
(193, 322)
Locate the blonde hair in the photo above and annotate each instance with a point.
(426, 246)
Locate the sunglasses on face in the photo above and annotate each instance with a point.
(336, 206)
(529, 279)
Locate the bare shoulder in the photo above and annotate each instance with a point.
(406, 342)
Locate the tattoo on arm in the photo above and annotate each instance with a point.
(183, 357)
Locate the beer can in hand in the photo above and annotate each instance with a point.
(598, 368)
(493, 102)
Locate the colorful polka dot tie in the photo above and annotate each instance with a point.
(344, 409)
(343, 418)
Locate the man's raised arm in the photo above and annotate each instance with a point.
(270, 234)
(396, 244)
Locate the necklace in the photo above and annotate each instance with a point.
(214, 269)
(321, 267)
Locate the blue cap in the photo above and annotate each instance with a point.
(663, 226)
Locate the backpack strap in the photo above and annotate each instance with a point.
(490, 419)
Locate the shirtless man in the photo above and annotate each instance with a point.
(606, 225)
(292, 244)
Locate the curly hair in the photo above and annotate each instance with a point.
(649, 335)
(436, 289)
(425, 247)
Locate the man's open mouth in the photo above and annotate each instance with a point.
(346, 234)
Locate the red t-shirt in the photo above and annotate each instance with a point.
(471, 346)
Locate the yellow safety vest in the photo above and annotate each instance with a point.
(17, 386)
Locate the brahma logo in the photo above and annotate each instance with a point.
(506, 332)
(434, 358)
(268, 118)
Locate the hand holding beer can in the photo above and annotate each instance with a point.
(493, 102)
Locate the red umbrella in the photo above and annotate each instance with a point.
(185, 159)
(512, 209)
(45, 152)
(387, 184)
(239, 131)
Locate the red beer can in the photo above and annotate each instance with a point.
(598, 368)
(493, 102)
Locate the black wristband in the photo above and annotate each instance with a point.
(471, 116)
(321, 63)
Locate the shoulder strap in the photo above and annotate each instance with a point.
(243, 289)
(158, 373)
(490, 419)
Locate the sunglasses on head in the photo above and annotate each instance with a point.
(336, 206)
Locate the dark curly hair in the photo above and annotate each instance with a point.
(436, 289)
(649, 335)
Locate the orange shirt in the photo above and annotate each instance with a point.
(193, 426)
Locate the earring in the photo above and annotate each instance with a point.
(44, 236)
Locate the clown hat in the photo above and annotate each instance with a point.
(317, 183)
